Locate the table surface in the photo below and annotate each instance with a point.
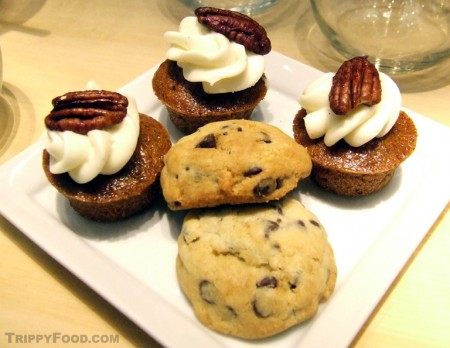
(54, 46)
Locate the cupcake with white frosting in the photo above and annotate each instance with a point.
(102, 154)
(355, 149)
(212, 73)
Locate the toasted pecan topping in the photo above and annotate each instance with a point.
(84, 111)
(237, 27)
(356, 82)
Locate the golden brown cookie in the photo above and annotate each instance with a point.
(232, 162)
(253, 271)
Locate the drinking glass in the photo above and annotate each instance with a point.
(397, 35)
(248, 7)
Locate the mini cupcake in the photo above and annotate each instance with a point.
(354, 130)
(102, 155)
(214, 69)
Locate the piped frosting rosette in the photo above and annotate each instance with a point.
(209, 57)
(99, 151)
(360, 125)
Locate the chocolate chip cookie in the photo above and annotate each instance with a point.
(252, 271)
(232, 162)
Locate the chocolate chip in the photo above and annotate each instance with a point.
(279, 182)
(260, 313)
(293, 284)
(252, 171)
(266, 138)
(189, 241)
(265, 187)
(208, 142)
(276, 246)
(267, 282)
(207, 291)
(231, 311)
(270, 227)
(314, 222)
(301, 223)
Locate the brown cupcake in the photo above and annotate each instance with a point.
(358, 171)
(189, 107)
(129, 191)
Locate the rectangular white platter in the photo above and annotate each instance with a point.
(132, 263)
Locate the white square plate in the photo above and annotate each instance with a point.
(132, 263)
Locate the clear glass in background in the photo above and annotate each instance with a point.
(248, 7)
(398, 36)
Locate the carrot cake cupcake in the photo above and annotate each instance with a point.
(353, 128)
(102, 155)
(214, 69)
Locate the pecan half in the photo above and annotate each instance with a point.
(83, 111)
(237, 27)
(356, 82)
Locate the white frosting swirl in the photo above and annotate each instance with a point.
(98, 152)
(211, 58)
(359, 126)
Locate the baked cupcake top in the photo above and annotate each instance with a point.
(221, 49)
(91, 132)
(380, 155)
(358, 122)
